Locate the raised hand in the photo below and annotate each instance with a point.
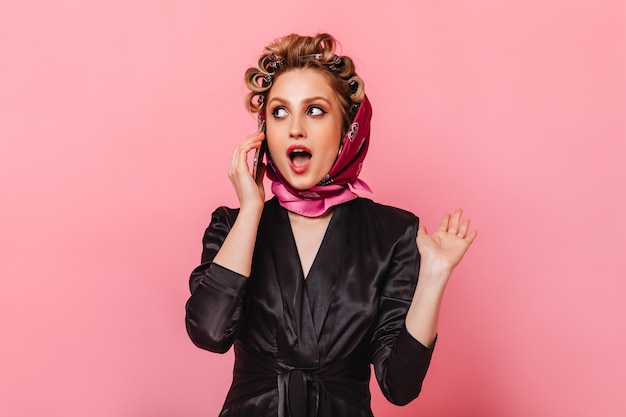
(238, 247)
(445, 248)
(251, 193)
(440, 252)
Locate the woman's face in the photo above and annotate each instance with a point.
(303, 127)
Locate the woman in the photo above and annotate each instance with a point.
(317, 283)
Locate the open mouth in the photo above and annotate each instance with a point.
(299, 157)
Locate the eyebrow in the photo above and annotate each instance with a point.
(306, 100)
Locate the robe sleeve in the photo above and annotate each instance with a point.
(400, 361)
(216, 305)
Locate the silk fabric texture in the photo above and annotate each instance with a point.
(303, 346)
(334, 189)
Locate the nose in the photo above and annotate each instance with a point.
(296, 129)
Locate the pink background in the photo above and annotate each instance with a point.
(117, 120)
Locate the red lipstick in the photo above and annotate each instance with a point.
(299, 158)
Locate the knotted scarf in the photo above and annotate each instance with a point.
(336, 186)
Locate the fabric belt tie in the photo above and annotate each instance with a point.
(302, 391)
(298, 390)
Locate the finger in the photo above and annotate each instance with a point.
(259, 179)
(234, 160)
(422, 234)
(455, 221)
(239, 157)
(255, 133)
(445, 221)
(464, 228)
(472, 236)
(240, 153)
(253, 141)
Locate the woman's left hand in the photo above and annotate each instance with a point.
(445, 248)
(440, 253)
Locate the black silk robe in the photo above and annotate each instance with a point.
(303, 347)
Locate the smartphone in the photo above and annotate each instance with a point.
(260, 152)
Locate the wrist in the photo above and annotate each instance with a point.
(250, 213)
(251, 208)
(434, 275)
(436, 267)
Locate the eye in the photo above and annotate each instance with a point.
(279, 112)
(315, 111)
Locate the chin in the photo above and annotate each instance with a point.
(302, 184)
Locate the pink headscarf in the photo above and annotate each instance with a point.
(334, 189)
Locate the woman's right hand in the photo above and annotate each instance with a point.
(238, 248)
(251, 193)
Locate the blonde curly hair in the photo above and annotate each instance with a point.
(316, 52)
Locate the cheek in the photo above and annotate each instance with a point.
(272, 150)
(270, 136)
(334, 140)
(331, 150)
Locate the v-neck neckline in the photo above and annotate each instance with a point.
(307, 302)
(320, 248)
